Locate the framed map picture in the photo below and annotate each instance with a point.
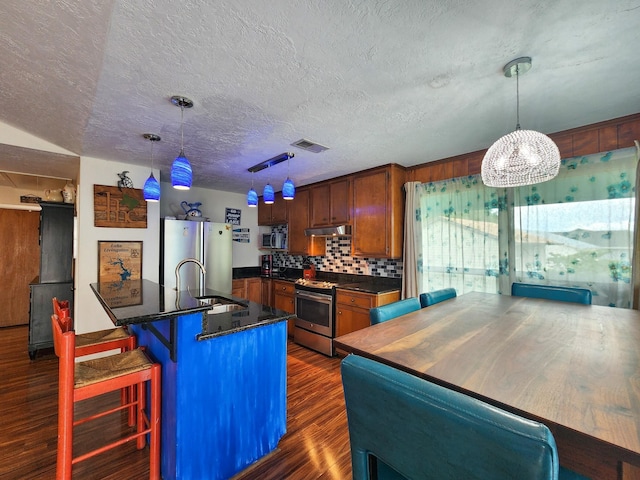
(119, 261)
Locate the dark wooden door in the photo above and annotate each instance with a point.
(19, 263)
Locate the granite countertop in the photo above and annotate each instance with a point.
(375, 288)
(143, 301)
(346, 281)
(358, 283)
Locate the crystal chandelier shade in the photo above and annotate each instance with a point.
(522, 157)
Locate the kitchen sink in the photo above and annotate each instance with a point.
(223, 308)
(221, 304)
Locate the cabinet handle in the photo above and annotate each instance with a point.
(339, 312)
(353, 300)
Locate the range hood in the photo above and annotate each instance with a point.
(339, 231)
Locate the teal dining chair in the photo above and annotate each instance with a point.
(393, 310)
(437, 296)
(552, 292)
(404, 427)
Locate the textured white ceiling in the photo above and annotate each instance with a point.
(376, 81)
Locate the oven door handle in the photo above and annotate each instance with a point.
(317, 297)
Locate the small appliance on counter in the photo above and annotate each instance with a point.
(266, 264)
(308, 270)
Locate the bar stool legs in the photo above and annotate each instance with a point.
(78, 381)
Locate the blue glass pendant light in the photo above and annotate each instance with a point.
(181, 174)
(151, 190)
(288, 188)
(252, 196)
(268, 195)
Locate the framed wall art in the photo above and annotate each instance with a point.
(119, 261)
(119, 207)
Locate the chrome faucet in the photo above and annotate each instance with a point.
(182, 262)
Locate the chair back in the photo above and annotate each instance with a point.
(61, 309)
(552, 292)
(437, 296)
(393, 310)
(413, 428)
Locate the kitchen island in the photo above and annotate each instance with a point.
(223, 374)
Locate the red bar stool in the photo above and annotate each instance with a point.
(79, 381)
(94, 342)
(99, 341)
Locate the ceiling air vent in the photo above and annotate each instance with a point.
(310, 146)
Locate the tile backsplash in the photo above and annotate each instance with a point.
(338, 259)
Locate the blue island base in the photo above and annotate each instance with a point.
(223, 399)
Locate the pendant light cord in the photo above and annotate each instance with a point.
(152, 157)
(182, 130)
(517, 97)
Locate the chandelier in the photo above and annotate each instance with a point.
(522, 157)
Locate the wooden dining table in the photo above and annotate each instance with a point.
(573, 367)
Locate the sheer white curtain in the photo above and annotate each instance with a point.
(578, 229)
(461, 245)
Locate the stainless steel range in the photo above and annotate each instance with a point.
(315, 312)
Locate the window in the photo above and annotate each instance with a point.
(577, 229)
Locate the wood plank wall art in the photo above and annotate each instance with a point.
(119, 207)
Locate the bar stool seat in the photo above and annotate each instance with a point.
(77, 381)
(103, 340)
(98, 370)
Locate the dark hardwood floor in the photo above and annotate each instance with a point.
(316, 445)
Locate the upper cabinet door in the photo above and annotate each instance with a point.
(320, 198)
(341, 194)
(331, 203)
(378, 213)
(274, 214)
(299, 243)
(280, 210)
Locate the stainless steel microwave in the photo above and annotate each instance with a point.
(268, 240)
(273, 240)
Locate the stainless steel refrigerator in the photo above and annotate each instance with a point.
(207, 242)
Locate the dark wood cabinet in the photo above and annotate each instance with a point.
(254, 289)
(378, 213)
(330, 203)
(275, 213)
(352, 308)
(283, 299)
(40, 310)
(247, 288)
(267, 293)
(299, 243)
(56, 242)
(55, 279)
